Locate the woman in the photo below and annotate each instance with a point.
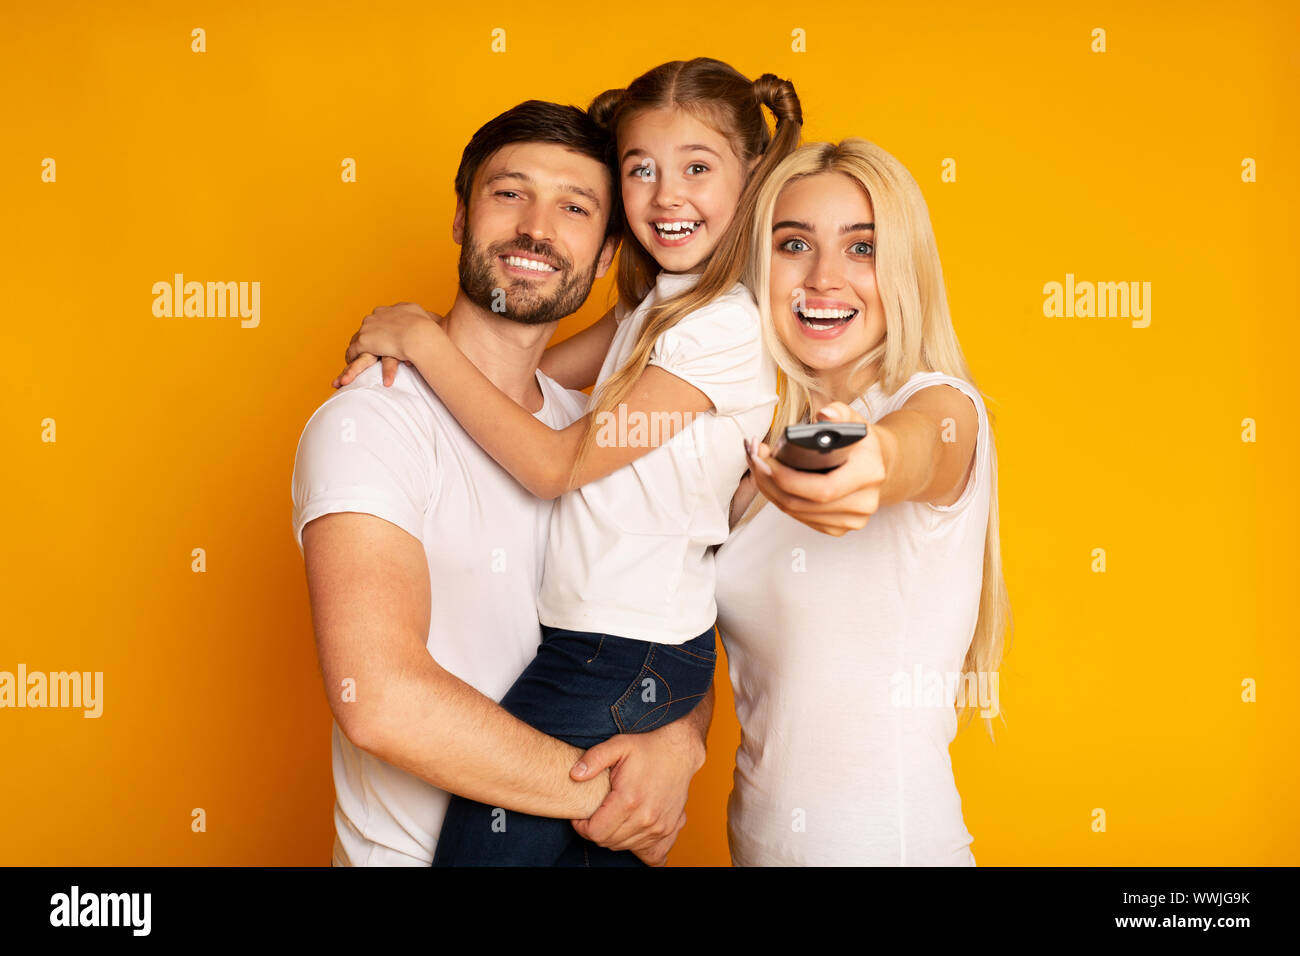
(847, 651)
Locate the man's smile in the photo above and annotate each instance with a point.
(519, 264)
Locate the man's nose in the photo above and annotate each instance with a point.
(537, 225)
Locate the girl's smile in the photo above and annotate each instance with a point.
(675, 233)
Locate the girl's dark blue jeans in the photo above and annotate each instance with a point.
(582, 688)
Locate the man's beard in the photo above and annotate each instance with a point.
(519, 300)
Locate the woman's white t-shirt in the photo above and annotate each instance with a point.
(844, 655)
(632, 554)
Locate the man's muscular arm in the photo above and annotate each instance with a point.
(370, 599)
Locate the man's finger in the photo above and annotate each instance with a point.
(657, 855)
(616, 818)
(598, 758)
(623, 836)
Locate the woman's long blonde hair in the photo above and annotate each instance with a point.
(733, 105)
(919, 336)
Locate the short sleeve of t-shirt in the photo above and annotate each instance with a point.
(977, 483)
(718, 349)
(360, 452)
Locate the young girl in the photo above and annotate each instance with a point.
(644, 481)
(852, 651)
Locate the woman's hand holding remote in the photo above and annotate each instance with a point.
(834, 503)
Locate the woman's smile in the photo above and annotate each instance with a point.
(824, 318)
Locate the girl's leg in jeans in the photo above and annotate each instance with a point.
(582, 688)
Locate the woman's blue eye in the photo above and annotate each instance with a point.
(790, 242)
(867, 247)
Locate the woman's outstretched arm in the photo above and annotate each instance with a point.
(906, 456)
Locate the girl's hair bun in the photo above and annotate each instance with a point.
(778, 95)
(604, 107)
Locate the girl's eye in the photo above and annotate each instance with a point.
(645, 173)
(699, 166)
(863, 248)
(789, 245)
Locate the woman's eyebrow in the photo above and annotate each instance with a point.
(808, 227)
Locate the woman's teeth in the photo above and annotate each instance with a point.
(824, 319)
(519, 262)
(678, 229)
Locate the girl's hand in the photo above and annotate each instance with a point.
(834, 503)
(388, 327)
(363, 362)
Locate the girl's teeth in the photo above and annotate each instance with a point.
(675, 229)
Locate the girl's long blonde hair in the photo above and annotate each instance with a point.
(919, 336)
(723, 98)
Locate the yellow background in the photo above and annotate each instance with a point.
(1122, 690)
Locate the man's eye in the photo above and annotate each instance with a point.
(577, 209)
(863, 248)
(789, 245)
(507, 192)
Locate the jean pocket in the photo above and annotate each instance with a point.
(571, 649)
(671, 681)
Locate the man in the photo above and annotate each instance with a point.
(424, 557)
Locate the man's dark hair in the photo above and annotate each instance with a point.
(535, 121)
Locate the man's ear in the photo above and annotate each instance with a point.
(606, 256)
(458, 222)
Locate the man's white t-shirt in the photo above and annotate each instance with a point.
(631, 554)
(397, 453)
(840, 651)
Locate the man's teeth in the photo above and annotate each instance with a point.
(675, 230)
(520, 262)
(830, 318)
